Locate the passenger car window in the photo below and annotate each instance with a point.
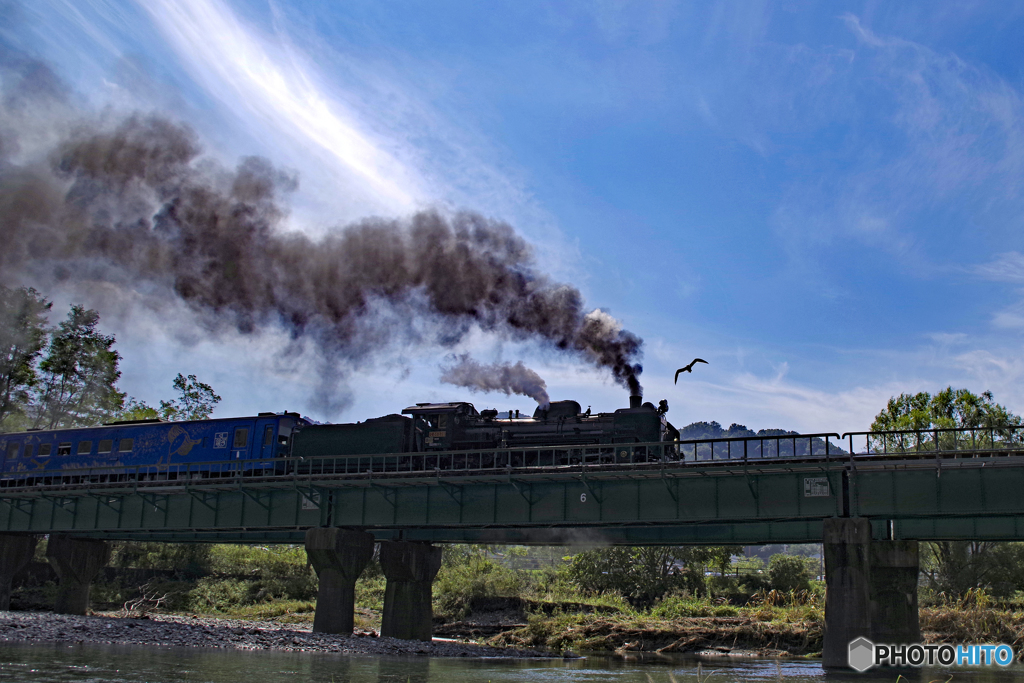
(28, 451)
(268, 435)
(84, 447)
(45, 449)
(105, 445)
(125, 445)
(12, 450)
(241, 437)
(64, 448)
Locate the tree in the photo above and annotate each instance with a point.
(134, 409)
(197, 400)
(789, 572)
(950, 408)
(954, 567)
(23, 329)
(78, 374)
(643, 574)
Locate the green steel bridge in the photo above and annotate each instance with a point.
(935, 484)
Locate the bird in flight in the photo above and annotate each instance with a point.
(689, 368)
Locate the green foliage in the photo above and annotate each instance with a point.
(950, 408)
(468, 572)
(244, 575)
(135, 409)
(370, 589)
(23, 332)
(224, 578)
(790, 572)
(956, 568)
(78, 375)
(644, 573)
(74, 383)
(683, 606)
(187, 560)
(196, 400)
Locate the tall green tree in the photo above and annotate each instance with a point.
(950, 408)
(196, 400)
(23, 330)
(78, 376)
(954, 567)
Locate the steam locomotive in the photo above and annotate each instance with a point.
(274, 443)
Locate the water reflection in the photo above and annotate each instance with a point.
(136, 664)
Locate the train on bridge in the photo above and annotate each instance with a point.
(277, 443)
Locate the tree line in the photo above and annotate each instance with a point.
(66, 375)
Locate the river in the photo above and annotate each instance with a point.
(85, 663)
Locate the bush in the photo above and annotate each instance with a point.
(370, 590)
(186, 560)
(467, 573)
(789, 573)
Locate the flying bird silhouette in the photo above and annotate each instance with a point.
(689, 368)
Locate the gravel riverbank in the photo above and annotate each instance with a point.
(189, 631)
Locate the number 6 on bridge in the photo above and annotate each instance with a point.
(583, 498)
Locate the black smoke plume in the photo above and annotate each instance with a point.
(504, 377)
(135, 204)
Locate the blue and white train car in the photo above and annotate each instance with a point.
(148, 449)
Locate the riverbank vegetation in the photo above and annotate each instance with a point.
(603, 599)
(610, 599)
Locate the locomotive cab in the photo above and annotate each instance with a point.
(443, 425)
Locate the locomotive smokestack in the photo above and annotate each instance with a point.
(635, 401)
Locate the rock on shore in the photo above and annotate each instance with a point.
(189, 631)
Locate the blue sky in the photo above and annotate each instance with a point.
(823, 200)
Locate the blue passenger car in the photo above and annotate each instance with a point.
(148, 449)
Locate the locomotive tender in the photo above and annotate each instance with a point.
(155, 449)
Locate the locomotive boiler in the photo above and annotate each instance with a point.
(459, 426)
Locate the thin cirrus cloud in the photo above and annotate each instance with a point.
(278, 86)
(1006, 267)
(934, 133)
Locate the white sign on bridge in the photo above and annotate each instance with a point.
(816, 487)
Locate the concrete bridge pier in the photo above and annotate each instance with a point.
(76, 561)
(846, 544)
(871, 589)
(16, 551)
(894, 616)
(410, 569)
(339, 557)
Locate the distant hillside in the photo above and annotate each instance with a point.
(713, 430)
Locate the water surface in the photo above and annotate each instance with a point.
(86, 663)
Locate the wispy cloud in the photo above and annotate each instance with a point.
(278, 86)
(1006, 267)
(931, 142)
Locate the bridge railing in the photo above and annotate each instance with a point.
(446, 463)
(931, 442)
(596, 455)
(949, 441)
(824, 445)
